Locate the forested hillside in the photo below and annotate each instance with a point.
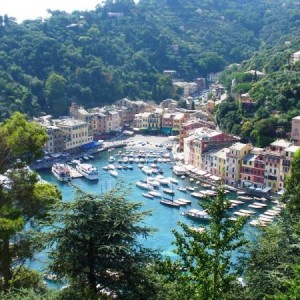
(275, 97)
(121, 49)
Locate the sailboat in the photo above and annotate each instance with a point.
(167, 201)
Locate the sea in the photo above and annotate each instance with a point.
(162, 218)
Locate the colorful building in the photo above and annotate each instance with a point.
(215, 162)
(285, 163)
(75, 132)
(234, 161)
(252, 171)
(202, 141)
(189, 126)
(295, 134)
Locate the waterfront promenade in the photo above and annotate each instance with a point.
(137, 141)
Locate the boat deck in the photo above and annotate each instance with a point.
(74, 173)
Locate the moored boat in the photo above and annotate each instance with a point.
(197, 195)
(114, 173)
(88, 171)
(61, 172)
(111, 159)
(179, 171)
(144, 185)
(246, 198)
(147, 195)
(169, 203)
(168, 191)
(155, 194)
(190, 188)
(172, 180)
(185, 200)
(181, 203)
(197, 214)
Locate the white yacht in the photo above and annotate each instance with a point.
(61, 172)
(114, 173)
(88, 171)
(111, 159)
(144, 185)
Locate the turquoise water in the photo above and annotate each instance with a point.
(163, 218)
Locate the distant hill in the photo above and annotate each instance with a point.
(121, 49)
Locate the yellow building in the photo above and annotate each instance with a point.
(99, 122)
(76, 132)
(178, 120)
(234, 161)
(141, 120)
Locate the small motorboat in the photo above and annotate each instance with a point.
(114, 173)
(168, 191)
(190, 188)
(147, 195)
(155, 194)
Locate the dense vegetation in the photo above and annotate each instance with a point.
(121, 49)
(275, 96)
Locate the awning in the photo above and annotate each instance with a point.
(189, 167)
(201, 172)
(207, 175)
(214, 177)
(90, 145)
(166, 130)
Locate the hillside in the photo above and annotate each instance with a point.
(121, 49)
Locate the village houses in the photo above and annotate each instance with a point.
(203, 147)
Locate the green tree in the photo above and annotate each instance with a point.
(23, 199)
(97, 247)
(20, 140)
(273, 259)
(55, 92)
(207, 255)
(292, 186)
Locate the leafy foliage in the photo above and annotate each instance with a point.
(206, 255)
(97, 247)
(121, 48)
(292, 184)
(273, 260)
(24, 201)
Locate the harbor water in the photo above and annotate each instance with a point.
(163, 218)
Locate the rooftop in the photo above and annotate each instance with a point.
(281, 143)
(219, 153)
(249, 157)
(292, 148)
(238, 146)
(70, 122)
(205, 132)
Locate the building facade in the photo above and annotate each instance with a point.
(234, 161)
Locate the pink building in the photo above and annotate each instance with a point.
(189, 126)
